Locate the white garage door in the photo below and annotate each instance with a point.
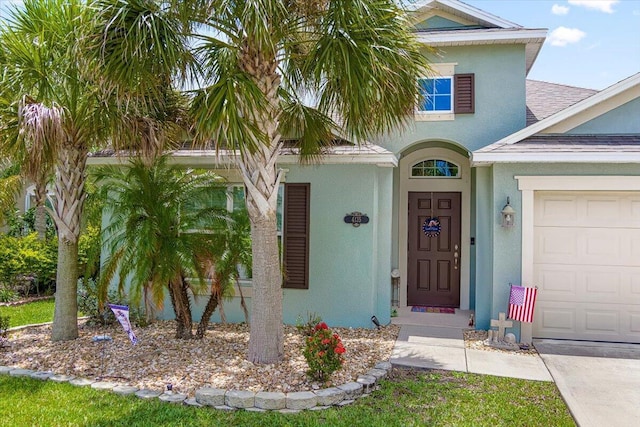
(587, 265)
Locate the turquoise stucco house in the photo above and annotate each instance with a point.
(566, 159)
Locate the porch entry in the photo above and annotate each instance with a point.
(433, 257)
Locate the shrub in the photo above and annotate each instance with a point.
(324, 353)
(7, 294)
(88, 305)
(27, 261)
(4, 328)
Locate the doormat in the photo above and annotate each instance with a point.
(423, 309)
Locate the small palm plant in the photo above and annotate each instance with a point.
(223, 271)
(156, 236)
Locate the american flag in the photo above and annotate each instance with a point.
(521, 303)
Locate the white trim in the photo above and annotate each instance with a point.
(461, 185)
(483, 36)
(426, 116)
(442, 69)
(487, 158)
(627, 84)
(528, 185)
(208, 158)
(578, 183)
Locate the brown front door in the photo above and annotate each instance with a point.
(434, 262)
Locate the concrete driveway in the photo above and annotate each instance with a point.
(599, 381)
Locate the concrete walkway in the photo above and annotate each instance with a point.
(600, 382)
(435, 347)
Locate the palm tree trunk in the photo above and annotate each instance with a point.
(181, 307)
(70, 196)
(262, 178)
(40, 223)
(266, 343)
(211, 306)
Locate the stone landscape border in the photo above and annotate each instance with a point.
(231, 400)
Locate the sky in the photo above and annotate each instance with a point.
(590, 43)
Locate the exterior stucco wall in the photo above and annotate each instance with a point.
(349, 270)
(349, 267)
(507, 243)
(499, 100)
(621, 120)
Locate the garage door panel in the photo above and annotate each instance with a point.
(634, 322)
(587, 265)
(582, 209)
(593, 283)
(583, 322)
(555, 282)
(587, 246)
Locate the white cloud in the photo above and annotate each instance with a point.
(563, 36)
(600, 5)
(556, 9)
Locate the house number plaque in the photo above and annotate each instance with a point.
(356, 218)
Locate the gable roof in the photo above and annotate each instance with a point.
(545, 99)
(545, 140)
(481, 28)
(421, 9)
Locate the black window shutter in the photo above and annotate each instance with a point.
(464, 93)
(296, 235)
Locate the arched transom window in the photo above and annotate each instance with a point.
(435, 168)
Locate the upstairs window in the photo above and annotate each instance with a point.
(442, 97)
(435, 168)
(436, 95)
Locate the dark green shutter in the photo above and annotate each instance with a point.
(296, 235)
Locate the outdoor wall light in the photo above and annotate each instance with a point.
(508, 215)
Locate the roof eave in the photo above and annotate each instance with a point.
(532, 38)
(490, 158)
(209, 158)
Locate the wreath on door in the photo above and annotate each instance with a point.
(431, 227)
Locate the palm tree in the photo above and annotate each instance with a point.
(223, 271)
(283, 67)
(47, 57)
(31, 153)
(155, 235)
(10, 187)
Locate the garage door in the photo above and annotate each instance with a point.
(587, 265)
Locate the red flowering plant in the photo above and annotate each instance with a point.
(324, 352)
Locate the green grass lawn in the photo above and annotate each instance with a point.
(30, 313)
(408, 398)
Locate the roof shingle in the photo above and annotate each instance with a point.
(545, 99)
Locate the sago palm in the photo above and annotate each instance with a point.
(161, 232)
(300, 68)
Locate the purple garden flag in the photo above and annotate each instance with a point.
(522, 303)
(122, 314)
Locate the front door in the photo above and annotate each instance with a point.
(434, 249)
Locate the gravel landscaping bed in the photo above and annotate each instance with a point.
(217, 361)
(475, 339)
